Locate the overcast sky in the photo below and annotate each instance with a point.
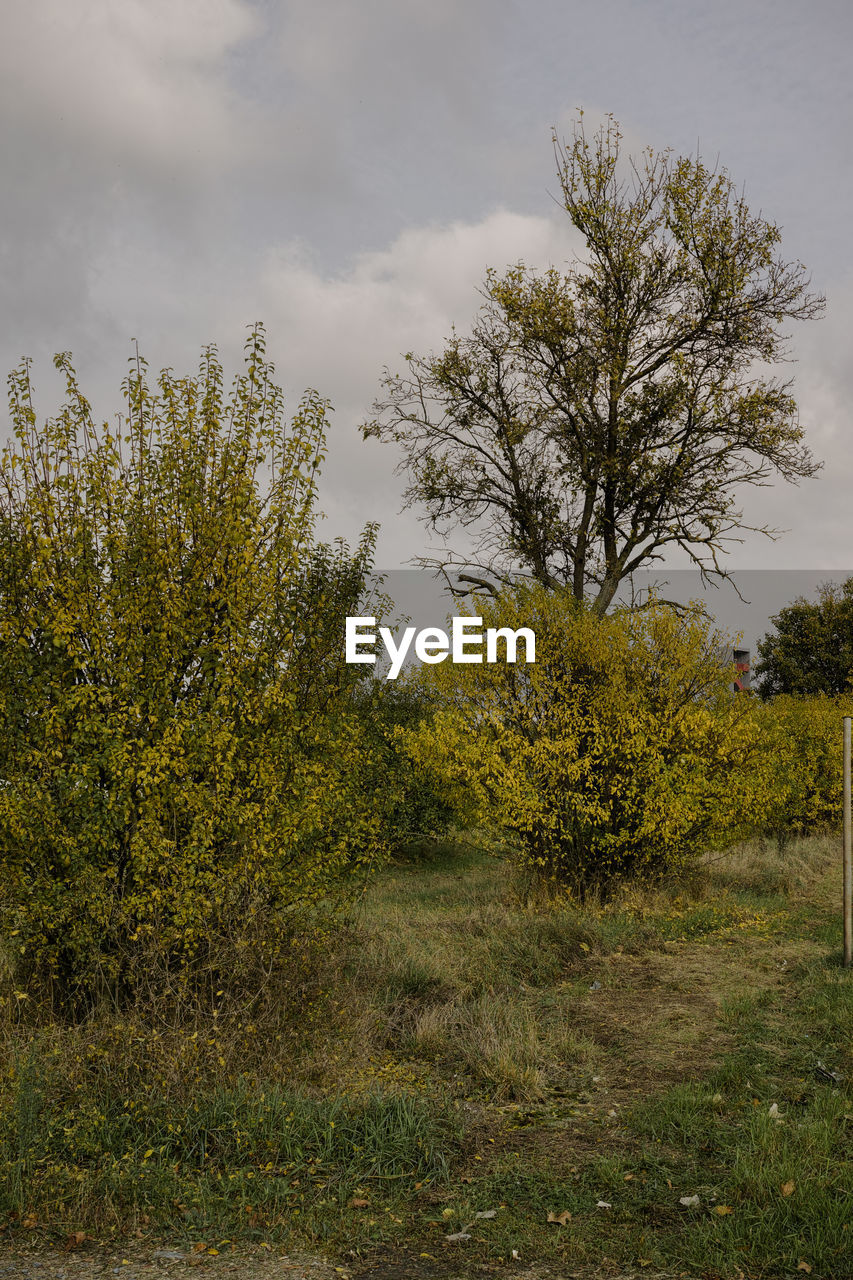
(346, 170)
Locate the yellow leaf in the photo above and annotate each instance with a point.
(561, 1218)
(787, 1187)
(723, 1209)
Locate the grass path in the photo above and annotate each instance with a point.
(597, 1067)
(693, 1016)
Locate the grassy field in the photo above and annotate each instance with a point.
(658, 1086)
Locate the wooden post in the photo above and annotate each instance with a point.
(847, 901)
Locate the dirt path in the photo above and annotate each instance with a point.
(656, 1016)
(148, 1263)
(158, 1262)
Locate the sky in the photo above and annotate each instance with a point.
(175, 170)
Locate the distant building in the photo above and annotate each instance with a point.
(740, 657)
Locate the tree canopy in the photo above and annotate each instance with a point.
(811, 651)
(597, 417)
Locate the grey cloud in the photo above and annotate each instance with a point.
(137, 83)
(173, 172)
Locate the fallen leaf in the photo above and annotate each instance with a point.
(486, 1213)
(199, 1246)
(604, 1204)
(787, 1188)
(562, 1218)
(516, 1255)
(628, 1177)
(355, 1203)
(458, 1236)
(30, 1221)
(802, 1265)
(690, 1202)
(723, 1209)
(75, 1239)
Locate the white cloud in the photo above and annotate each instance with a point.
(332, 332)
(406, 296)
(339, 332)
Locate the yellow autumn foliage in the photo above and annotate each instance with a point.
(801, 738)
(182, 769)
(621, 753)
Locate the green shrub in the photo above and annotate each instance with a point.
(802, 748)
(416, 812)
(620, 753)
(183, 771)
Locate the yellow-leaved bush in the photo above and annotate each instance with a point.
(802, 745)
(183, 772)
(621, 752)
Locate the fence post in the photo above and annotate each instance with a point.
(847, 900)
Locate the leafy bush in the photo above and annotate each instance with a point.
(182, 769)
(620, 753)
(802, 749)
(415, 808)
